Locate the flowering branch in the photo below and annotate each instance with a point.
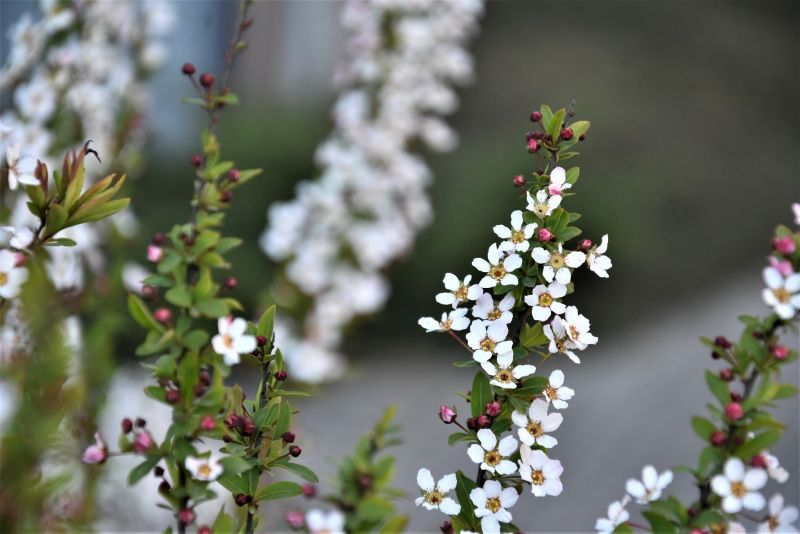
(530, 271)
(736, 464)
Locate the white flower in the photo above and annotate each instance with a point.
(780, 519)
(577, 327)
(506, 376)
(558, 181)
(557, 265)
(739, 487)
(487, 309)
(491, 505)
(543, 300)
(434, 496)
(516, 237)
(796, 211)
(774, 469)
(205, 469)
(491, 456)
(782, 294)
(556, 392)
(498, 269)
(20, 169)
(11, 276)
(542, 473)
(617, 514)
(458, 291)
(596, 259)
(487, 339)
(454, 320)
(533, 428)
(542, 205)
(556, 332)
(319, 522)
(231, 340)
(651, 485)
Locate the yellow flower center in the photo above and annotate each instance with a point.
(551, 393)
(493, 504)
(773, 523)
(738, 489)
(782, 295)
(461, 293)
(537, 478)
(446, 324)
(545, 300)
(227, 341)
(495, 314)
(556, 260)
(497, 271)
(487, 344)
(535, 429)
(434, 497)
(540, 209)
(492, 458)
(3, 278)
(204, 471)
(504, 376)
(517, 237)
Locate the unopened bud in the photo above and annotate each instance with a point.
(295, 520)
(726, 374)
(261, 341)
(780, 352)
(718, 438)
(484, 421)
(231, 282)
(164, 487)
(736, 396)
(163, 315)
(545, 235)
(141, 423)
(154, 253)
(208, 423)
(567, 134)
(519, 181)
(533, 146)
(127, 425)
(536, 116)
(240, 499)
(493, 409)
(759, 460)
(159, 238)
(199, 390)
(149, 292)
(186, 516)
(206, 79)
(722, 342)
(234, 175)
(226, 196)
(197, 161)
(309, 490)
(173, 396)
(205, 529)
(281, 375)
(734, 411)
(472, 423)
(447, 528)
(585, 244)
(188, 69)
(158, 471)
(205, 377)
(288, 437)
(447, 414)
(784, 245)
(295, 451)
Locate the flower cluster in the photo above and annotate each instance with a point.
(512, 310)
(363, 496)
(736, 465)
(342, 231)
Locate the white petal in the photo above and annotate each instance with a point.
(507, 446)
(635, 488)
(734, 470)
(521, 371)
(754, 501)
(773, 278)
(575, 259)
(489, 525)
(446, 483)
(476, 453)
(540, 255)
(425, 480)
(557, 378)
(481, 264)
(450, 507)
(487, 438)
(451, 282)
(755, 479)
(721, 486)
(445, 298)
(503, 232)
(563, 275)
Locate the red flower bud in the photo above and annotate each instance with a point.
(734, 411)
(784, 245)
(759, 460)
(205, 529)
(447, 414)
(141, 423)
(231, 282)
(447, 528)
(545, 235)
(582, 137)
(240, 499)
(188, 69)
(261, 341)
(199, 390)
(207, 423)
(154, 253)
(163, 315)
(519, 181)
(233, 175)
(197, 161)
(722, 342)
(288, 437)
(780, 352)
(718, 438)
(484, 421)
(173, 396)
(472, 423)
(143, 442)
(226, 196)
(158, 471)
(206, 79)
(536, 116)
(247, 426)
(567, 134)
(149, 292)
(736, 396)
(205, 377)
(281, 375)
(164, 487)
(309, 490)
(159, 238)
(533, 146)
(726, 374)
(127, 425)
(493, 409)
(585, 244)
(295, 451)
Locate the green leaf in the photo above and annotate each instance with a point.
(464, 486)
(762, 441)
(579, 128)
(223, 523)
(394, 525)
(570, 232)
(458, 437)
(60, 242)
(179, 296)
(228, 98)
(300, 470)
(141, 314)
(703, 427)
(481, 393)
(142, 469)
(659, 523)
(554, 127)
(234, 483)
(284, 419)
(707, 517)
(278, 490)
(56, 218)
(718, 387)
(235, 465)
(196, 339)
(96, 213)
(266, 325)
(533, 336)
(214, 308)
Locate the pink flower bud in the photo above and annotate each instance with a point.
(484, 421)
(143, 442)
(718, 438)
(545, 235)
(536, 116)
(533, 146)
(154, 253)
(97, 453)
(519, 181)
(784, 245)
(447, 414)
(759, 461)
(782, 266)
(567, 134)
(493, 409)
(186, 516)
(205, 529)
(734, 411)
(20, 259)
(585, 244)
(722, 342)
(726, 374)
(780, 352)
(294, 520)
(163, 315)
(207, 423)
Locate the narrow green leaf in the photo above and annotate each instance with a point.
(278, 490)
(481, 393)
